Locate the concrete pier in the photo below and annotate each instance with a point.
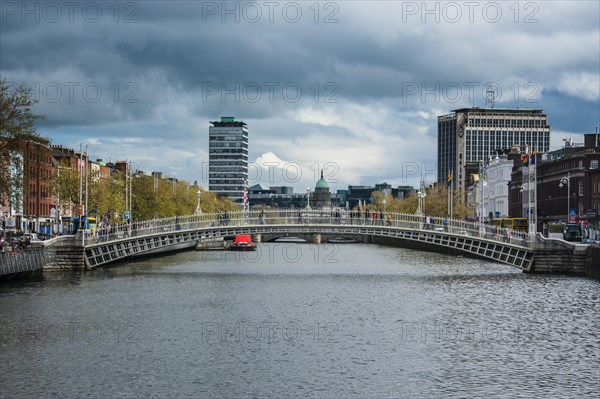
(556, 256)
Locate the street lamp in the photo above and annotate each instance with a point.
(129, 190)
(307, 197)
(567, 180)
(420, 202)
(198, 209)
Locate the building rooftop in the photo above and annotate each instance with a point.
(227, 121)
(322, 183)
(499, 110)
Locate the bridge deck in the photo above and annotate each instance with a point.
(179, 233)
(169, 234)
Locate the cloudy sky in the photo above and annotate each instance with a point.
(351, 87)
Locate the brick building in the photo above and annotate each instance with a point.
(568, 181)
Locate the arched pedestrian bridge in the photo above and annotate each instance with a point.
(162, 235)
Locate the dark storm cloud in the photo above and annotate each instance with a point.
(163, 70)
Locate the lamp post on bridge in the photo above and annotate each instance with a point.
(420, 202)
(198, 208)
(129, 190)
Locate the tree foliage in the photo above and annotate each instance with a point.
(65, 183)
(108, 195)
(435, 203)
(16, 127)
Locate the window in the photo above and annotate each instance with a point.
(581, 188)
(594, 164)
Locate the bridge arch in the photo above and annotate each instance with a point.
(514, 251)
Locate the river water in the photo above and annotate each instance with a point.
(301, 320)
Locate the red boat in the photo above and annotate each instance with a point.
(243, 242)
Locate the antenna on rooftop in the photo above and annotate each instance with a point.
(490, 97)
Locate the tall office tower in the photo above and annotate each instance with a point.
(228, 158)
(470, 135)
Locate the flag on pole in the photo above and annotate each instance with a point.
(526, 157)
(532, 158)
(449, 178)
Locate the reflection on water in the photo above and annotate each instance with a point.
(293, 320)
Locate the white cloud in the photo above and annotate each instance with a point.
(580, 84)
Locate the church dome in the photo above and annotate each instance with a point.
(322, 183)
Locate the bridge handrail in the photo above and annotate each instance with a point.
(307, 216)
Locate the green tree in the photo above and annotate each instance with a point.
(65, 184)
(435, 203)
(108, 196)
(16, 128)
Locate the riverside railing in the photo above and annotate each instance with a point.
(312, 217)
(20, 261)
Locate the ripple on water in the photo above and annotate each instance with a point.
(339, 321)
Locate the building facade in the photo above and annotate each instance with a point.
(566, 184)
(37, 196)
(495, 188)
(468, 136)
(228, 158)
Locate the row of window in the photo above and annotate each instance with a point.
(35, 157)
(221, 136)
(231, 144)
(567, 166)
(44, 193)
(228, 151)
(222, 188)
(43, 212)
(214, 157)
(525, 135)
(507, 122)
(231, 175)
(221, 164)
(226, 182)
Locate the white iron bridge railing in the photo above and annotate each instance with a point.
(305, 217)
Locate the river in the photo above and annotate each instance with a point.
(301, 320)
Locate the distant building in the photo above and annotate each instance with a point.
(228, 158)
(580, 165)
(495, 191)
(276, 197)
(321, 197)
(468, 136)
(364, 194)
